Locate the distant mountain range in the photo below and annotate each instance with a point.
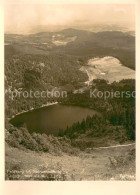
(88, 27)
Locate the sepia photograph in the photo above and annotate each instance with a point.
(69, 81)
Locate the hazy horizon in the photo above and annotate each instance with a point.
(23, 19)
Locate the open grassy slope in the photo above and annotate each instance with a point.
(102, 164)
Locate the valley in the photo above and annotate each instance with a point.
(60, 140)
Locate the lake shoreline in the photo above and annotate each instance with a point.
(50, 119)
(32, 109)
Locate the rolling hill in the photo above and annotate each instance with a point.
(78, 43)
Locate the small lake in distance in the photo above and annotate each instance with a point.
(52, 118)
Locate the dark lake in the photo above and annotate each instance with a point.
(52, 118)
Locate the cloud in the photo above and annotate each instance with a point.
(21, 18)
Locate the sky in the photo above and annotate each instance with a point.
(21, 18)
